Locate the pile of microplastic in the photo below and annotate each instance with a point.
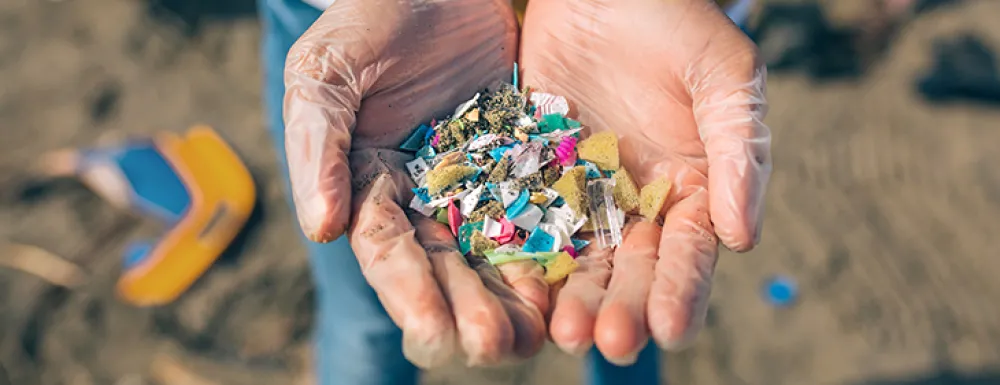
(509, 175)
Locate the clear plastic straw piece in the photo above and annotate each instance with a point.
(604, 213)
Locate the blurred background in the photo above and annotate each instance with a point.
(882, 209)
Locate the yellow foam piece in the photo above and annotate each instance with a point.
(652, 198)
(600, 149)
(572, 187)
(440, 179)
(559, 268)
(626, 192)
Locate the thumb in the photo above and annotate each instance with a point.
(326, 74)
(727, 85)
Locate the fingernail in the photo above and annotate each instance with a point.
(625, 360)
(681, 343)
(578, 350)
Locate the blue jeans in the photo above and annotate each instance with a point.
(356, 342)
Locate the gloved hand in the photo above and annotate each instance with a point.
(682, 88)
(357, 83)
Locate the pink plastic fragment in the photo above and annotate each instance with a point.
(571, 251)
(507, 232)
(566, 152)
(454, 217)
(437, 138)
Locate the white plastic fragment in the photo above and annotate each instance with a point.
(547, 104)
(529, 218)
(470, 200)
(419, 206)
(443, 201)
(482, 141)
(525, 121)
(557, 135)
(564, 218)
(558, 233)
(508, 194)
(418, 170)
(462, 108)
(550, 197)
(491, 228)
(526, 159)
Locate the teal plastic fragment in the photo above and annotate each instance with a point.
(551, 122)
(427, 152)
(593, 172)
(579, 244)
(416, 139)
(538, 241)
(518, 205)
(465, 235)
(515, 76)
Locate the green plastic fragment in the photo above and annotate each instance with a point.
(497, 258)
(551, 122)
(572, 123)
(442, 216)
(465, 235)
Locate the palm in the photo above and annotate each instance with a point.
(357, 83)
(650, 71)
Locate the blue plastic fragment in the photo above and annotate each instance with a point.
(579, 244)
(493, 190)
(421, 193)
(518, 205)
(498, 153)
(592, 171)
(429, 134)
(417, 138)
(780, 291)
(538, 241)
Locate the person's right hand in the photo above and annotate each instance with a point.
(363, 76)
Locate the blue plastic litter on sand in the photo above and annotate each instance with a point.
(780, 291)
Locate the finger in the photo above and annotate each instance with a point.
(527, 278)
(688, 250)
(527, 320)
(620, 331)
(395, 264)
(574, 312)
(484, 330)
(326, 74)
(728, 86)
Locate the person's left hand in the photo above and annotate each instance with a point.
(683, 89)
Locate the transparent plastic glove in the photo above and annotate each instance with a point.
(684, 91)
(357, 83)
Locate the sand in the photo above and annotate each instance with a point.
(883, 207)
